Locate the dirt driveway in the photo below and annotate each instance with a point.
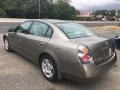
(17, 73)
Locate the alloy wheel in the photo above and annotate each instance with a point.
(47, 68)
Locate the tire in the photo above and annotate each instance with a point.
(7, 45)
(49, 68)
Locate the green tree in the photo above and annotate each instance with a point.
(118, 15)
(112, 12)
(17, 8)
(100, 12)
(62, 10)
(29, 9)
(2, 13)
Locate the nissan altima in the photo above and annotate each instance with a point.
(62, 48)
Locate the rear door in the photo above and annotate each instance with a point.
(36, 41)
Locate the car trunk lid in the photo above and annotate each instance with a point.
(101, 48)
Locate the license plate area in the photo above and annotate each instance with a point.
(107, 53)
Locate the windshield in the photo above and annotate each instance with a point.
(73, 30)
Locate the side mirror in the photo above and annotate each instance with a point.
(11, 30)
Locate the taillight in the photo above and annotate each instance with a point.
(84, 55)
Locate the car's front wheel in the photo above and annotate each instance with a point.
(49, 68)
(6, 45)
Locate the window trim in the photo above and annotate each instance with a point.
(47, 32)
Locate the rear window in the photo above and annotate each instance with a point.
(73, 30)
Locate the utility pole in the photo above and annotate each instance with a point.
(39, 8)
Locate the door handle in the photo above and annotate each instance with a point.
(42, 43)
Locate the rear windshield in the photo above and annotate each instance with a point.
(73, 30)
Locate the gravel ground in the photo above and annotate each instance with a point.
(17, 73)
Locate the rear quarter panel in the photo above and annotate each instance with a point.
(64, 53)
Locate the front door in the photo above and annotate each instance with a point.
(17, 37)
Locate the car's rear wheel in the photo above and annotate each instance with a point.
(6, 45)
(49, 68)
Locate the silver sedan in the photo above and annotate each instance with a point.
(62, 48)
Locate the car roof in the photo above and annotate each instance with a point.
(53, 21)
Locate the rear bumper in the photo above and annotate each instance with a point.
(96, 70)
(117, 42)
(89, 71)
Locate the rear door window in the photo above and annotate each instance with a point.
(39, 29)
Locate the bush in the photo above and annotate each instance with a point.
(2, 13)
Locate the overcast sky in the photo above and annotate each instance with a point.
(96, 4)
